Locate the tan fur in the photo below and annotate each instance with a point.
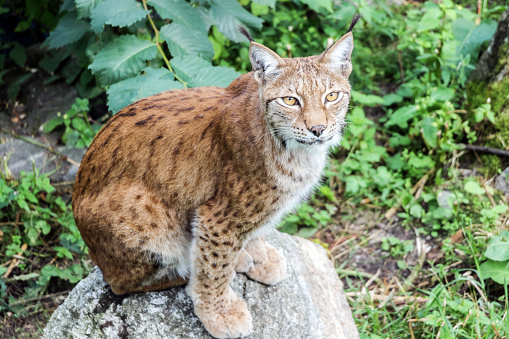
(182, 186)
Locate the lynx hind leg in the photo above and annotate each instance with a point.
(129, 270)
(269, 266)
(138, 242)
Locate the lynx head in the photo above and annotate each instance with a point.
(305, 99)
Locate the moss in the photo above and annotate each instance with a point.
(492, 134)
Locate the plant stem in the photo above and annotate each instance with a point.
(156, 31)
(85, 115)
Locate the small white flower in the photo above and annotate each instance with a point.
(290, 28)
(488, 100)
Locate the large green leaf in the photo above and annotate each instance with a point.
(214, 76)
(124, 57)
(228, 15)
(270, 3)
(198, 72)
(180, 11)
(315, 5)
(496, 270)
(183, 41)
(429, 131)
(367, 99)
(68, 30)
(153, 81)
(442, 94)
(476, 37)
(432, 19)
(402, 115)
(118, 13)
(498, 247)
(187, 67)
(85, 7)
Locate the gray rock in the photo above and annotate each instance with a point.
(502, 181)
(309, 303)
(20, 154)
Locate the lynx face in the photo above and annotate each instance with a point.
(305, 99)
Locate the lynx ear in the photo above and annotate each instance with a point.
(338, 55)
(265, 62)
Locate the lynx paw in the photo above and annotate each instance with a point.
(244, 262)
(233, 321)
(271, 270)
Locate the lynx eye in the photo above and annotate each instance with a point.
(290, 101)
(332, 96)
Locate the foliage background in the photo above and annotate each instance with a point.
(402, 157)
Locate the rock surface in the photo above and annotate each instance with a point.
(309, 303)
(20, 154)
(502, 182)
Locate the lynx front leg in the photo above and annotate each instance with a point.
(214, 255)
(269, 266)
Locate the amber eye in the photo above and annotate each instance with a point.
(290, 101)
(332, 96)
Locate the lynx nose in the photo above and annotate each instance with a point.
(317, 130)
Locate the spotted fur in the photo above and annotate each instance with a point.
(182, 186)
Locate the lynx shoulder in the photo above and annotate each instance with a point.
(180, 188)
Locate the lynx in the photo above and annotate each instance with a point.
(181, 187)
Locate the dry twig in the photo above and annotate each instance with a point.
(14, 262)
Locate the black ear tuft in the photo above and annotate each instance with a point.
(245, 33)
(355, 18)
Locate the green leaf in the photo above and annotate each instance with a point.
(442, 94)
(120, 13)
(473, 187)
(472, 36)
(496, 270)
(498, 247)
(327, 192)
(270, 3)
(315, 5)
(80, 125)
(23, 204)
(180, 12)
(43, 226)
(367, 99)
(198, 72)
(214, 76)
(18, 54)
(416, 211)
(184, 41)
(442, 213)
(68, 30)
(51, 63)
(431, 19)
(228, 15)
(402, 115)
(307, 232)
(429, 131)
(153, 81)
(122, 58)
(391, 99)
(85, 7)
